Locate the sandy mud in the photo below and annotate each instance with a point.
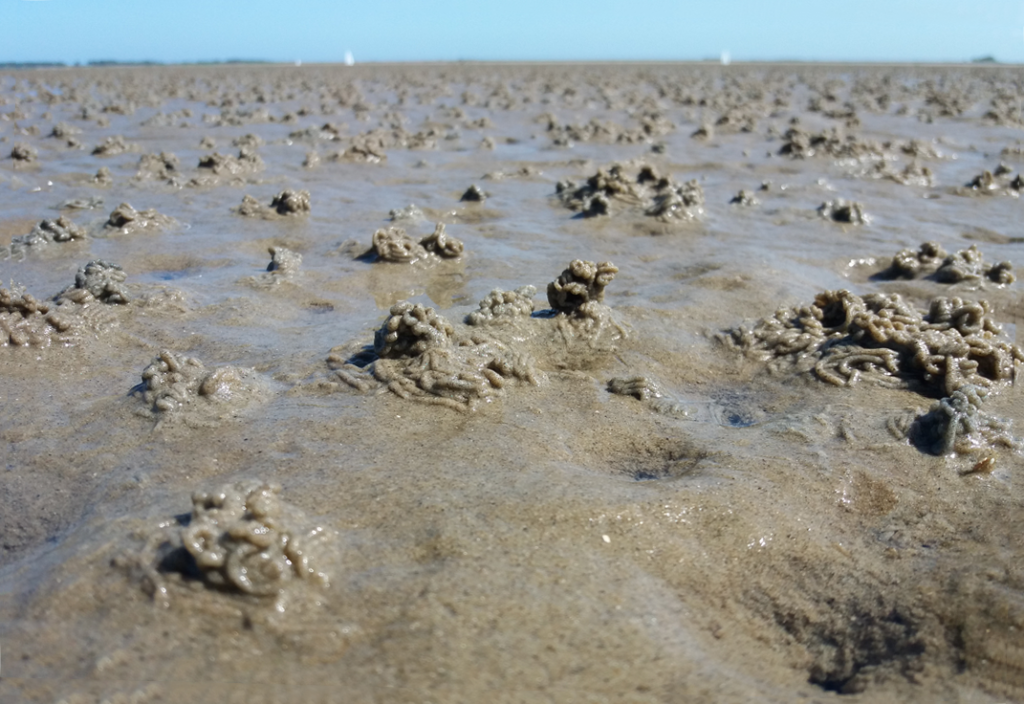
(645, 383)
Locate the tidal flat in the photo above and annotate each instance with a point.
(554, 383)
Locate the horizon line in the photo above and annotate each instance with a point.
(149, 63)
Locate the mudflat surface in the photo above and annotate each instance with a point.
(222, 479)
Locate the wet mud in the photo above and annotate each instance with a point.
(317, 416)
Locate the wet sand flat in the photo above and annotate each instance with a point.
(555, 383)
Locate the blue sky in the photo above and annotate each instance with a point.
(557, 30)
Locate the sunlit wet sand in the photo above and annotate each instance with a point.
(222, 477)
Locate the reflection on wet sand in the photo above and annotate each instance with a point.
(772, 452)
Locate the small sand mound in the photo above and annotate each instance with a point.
(24, 154)
(954, 350)
(843, 211)
(127, 220)
(241, 540)
(957, 424)
(112, 146)
(45, 233)
(419, 358)
(28, 322)
(581, 283)
(176, 387)
(504, 306)
(290, 202)
(392, 244)
(287, 203)
(163, 167)
(967, 266)
(97, 281)
(244, 539)
(843, 337)
(247, 162)
(656, 195)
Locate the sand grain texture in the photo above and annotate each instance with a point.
(584, 499)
